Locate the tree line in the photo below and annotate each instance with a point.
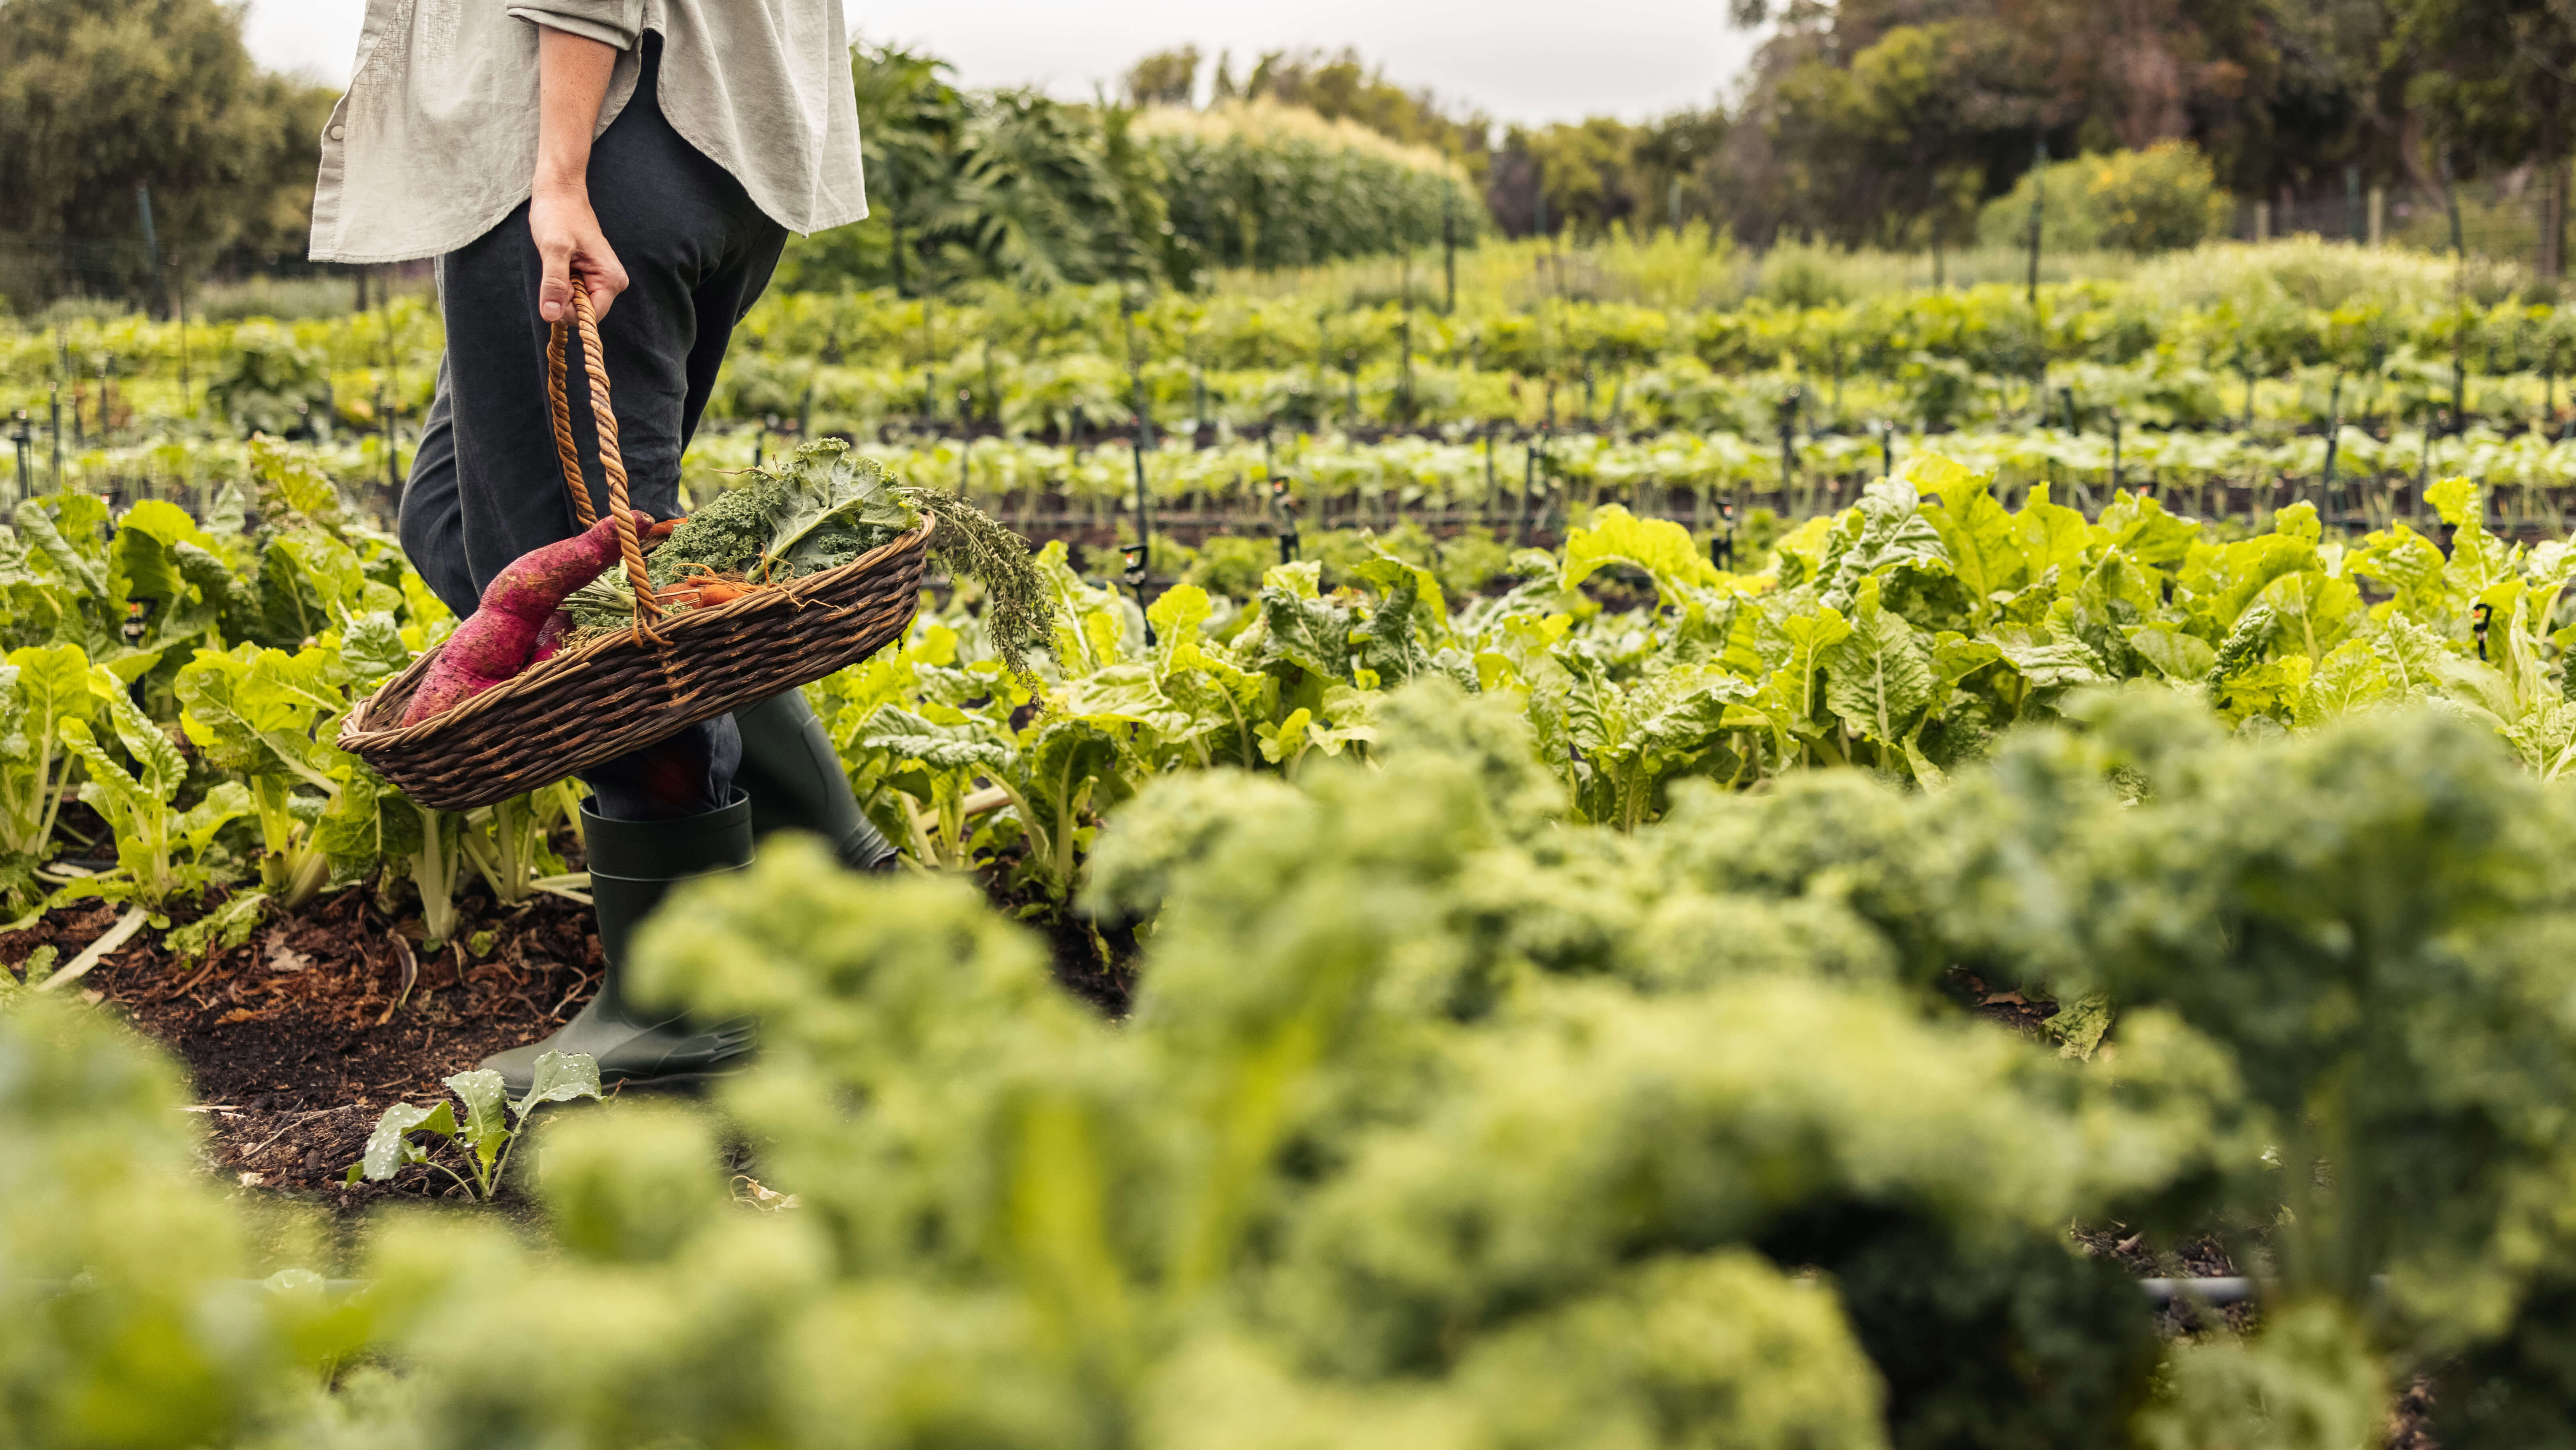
(99, 98)
(1866, 122)
(1895, 122)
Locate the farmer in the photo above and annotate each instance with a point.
(657, 152)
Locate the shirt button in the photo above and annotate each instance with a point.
(339, 131)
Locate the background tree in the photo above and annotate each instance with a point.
(100, 96)
(1341, 87)
(1165, 78)
(2497, 82)
(1674, 157)
(1589, 171)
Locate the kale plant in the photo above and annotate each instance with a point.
(491, 1127)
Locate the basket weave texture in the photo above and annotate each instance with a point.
(608, 696)
(623, 692)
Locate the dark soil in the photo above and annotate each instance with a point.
(2006, 1007)
(1095, 961)
(301, 1037)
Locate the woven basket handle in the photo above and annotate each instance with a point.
(612, 463)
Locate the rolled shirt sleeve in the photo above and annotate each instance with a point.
(615, 23)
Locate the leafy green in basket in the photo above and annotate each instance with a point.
(822, 508)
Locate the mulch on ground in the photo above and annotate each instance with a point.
(300, 1038)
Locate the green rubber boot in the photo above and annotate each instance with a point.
(632, 865)
(795, 781)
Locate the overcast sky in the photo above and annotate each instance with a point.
(1519, 60)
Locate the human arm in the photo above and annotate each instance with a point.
(572, 83)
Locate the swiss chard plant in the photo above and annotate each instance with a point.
(54, 569)
(266, 715)
(161, 850)
(508, 841)
(40, 687)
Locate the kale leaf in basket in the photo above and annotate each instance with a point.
(822, 508)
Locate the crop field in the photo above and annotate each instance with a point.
(1579, 872)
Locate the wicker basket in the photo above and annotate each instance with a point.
(612, 695)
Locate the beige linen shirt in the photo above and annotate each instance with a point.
(436, 139)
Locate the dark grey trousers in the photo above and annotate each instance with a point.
(485, 485)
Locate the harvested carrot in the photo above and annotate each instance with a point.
(703, 588)
(496, 641)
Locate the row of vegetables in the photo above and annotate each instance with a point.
(1240, 483)
(1500, 1076)
(274, 388)
(2288, 351)
(2262, 310)
(1899, 634)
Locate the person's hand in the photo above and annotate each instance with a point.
(566, 233)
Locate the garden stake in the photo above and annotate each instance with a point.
(1449, 244)
(1137, 557)
(1286, 508)
(1788, 439)
(2334, 436)
(24, 435)
(1492, 499)
(1144, 505)
(2038, 210)
(1529, 486)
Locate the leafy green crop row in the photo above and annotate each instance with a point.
(1898, 635)
(1689, 472)
(1445, 1121)
(1087, 393)
(1031, 362)
(1498, 480)
(127, 637)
